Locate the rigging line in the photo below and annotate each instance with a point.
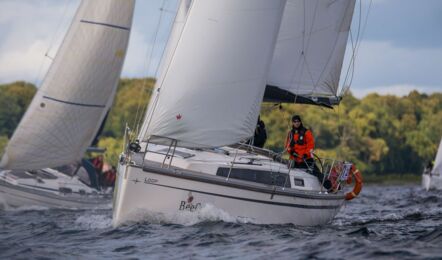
(358, 44)
(334, 47)
(350, 69)
(144, 84)
(160, 84)
(305, 49)
(51, 43)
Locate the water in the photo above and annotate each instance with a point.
(385, 222)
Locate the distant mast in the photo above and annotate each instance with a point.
(78, 90)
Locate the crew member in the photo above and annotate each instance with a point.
(300, 144)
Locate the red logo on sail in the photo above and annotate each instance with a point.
(178, 117)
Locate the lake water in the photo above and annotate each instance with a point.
(385, 222)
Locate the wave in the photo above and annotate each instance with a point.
(207, 213)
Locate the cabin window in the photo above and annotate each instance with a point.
(299, 182)
(264, 177)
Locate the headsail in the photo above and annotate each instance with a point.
(78, 89)
(437, 167)
(211, 89)
(309, 53)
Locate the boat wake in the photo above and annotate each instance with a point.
(207, 213)
(6, 207)
(94, 221)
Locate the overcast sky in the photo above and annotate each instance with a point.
(401, 48)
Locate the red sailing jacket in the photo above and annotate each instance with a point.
(301, 142)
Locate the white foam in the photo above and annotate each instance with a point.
(94, 221)
(24, 208)
(208, 213)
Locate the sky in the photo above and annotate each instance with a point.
(400, 48)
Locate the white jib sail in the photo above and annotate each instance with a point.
(172, 42)
(210, 92)
(67, 110)
(437, 167)
(311, 45)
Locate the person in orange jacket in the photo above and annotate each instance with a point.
(300, 144)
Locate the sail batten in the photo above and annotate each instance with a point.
(78, 89)
(210, 89)
(310, 49)
(106, 24)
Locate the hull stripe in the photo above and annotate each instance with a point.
(252, 200)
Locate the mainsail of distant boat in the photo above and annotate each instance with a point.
(432, 178)
(208, 95)
(78, 90)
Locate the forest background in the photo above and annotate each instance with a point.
(381, 134)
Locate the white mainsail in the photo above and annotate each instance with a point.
(210, 89)
(437, 167)
(310, 48)
(78, 89)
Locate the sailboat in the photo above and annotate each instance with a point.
(222, 59)
(432, 176)
(67, 110)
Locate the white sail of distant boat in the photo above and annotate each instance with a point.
(78, 90)
(437, 168)
(309, 53)
(432, 178)
(208, 95)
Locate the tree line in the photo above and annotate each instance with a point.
(382, 134)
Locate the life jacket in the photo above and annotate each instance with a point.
(300, 142)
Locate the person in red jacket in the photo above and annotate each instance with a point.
(300, 145)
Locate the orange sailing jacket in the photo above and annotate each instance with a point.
(300, 142)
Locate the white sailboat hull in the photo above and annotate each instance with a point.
(48, 188)
(140, 191)
(17, 197)
(430, 182)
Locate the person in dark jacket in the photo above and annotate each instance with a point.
(260, 136)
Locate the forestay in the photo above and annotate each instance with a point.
(172, 42)
(209, 93)
(310, 49)
(78, 89)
